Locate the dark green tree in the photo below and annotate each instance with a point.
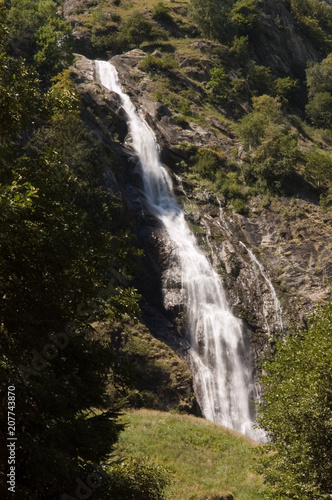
(319, 109)
(213, 18)
(25, 17)
(55, 45)
(272, 147)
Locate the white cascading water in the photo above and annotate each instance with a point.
(277, 307)
(219, 354)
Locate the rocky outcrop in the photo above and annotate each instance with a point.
(290, 239)
(280, 44)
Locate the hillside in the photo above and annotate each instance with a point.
(204, 460)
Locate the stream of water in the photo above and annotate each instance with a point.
(276, 302)
(220, 350)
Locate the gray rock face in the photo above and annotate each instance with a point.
(282, 46)
(293, 251)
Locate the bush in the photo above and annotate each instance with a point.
(135, 480)
(315, 20)
(180, 120)
(207, 163)
(245, 17)
(161, 13)
(319, 109)
(132, 33)
(229, 186)
(213, 18)
(153, 63)
(272, 148)
(260, 80)
(319, 167)
(240, 206)
(285, 88)
(55, 45)
(240, 50)
(219, 84)
(319, 77)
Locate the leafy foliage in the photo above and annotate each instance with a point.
(213, 18)
(131, 33)
(65, 253)
(166, 62)
(54, 47)
(246, 18)
(319, 83)
(319, 109)
(135, 480)
(296, 412)
(272, 148)
(161, 13)
(219, 84)
(19, 95)
(315, 20)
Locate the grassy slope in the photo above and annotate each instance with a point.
(204, 458)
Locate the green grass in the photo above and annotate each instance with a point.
(204, 459)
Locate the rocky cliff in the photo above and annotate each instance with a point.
(291, 238)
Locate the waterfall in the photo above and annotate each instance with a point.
(220, 351)
(276, 302)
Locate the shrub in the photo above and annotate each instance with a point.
(260, 79)
(213, 18)
(319, 167)
(229, 186)
(153, 63)
(319, 77)
(133, 479)
(319, 109)
(245, 17)
(240, 206)
(219, 84)
(285, 88)
(55, 44)
(180, 120)
(240, 49)
(161, 13)
(207, 163)
(132, 33)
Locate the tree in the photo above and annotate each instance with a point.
(213, 18)
(55, 45)
(272, 147)
(19, 95)
(259, 79)
(245, 17)
(64, 264)
(219, 84)
(319, 84)
(319, 109)
(24, 19)
(319, 77)
(319, 167)
(296, 412)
